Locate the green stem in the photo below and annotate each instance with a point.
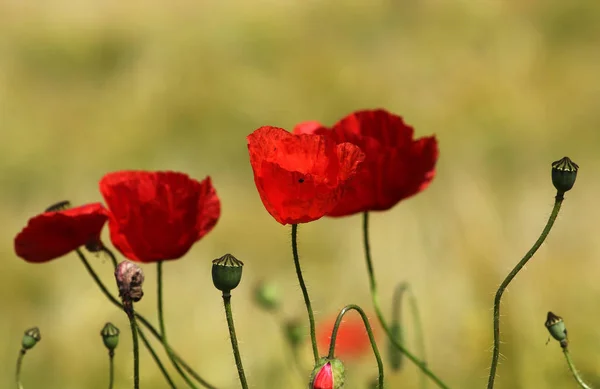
(19, 364)
(311, 316)
(161, 323)
(369, 332)
(161, 315)
(177, 360)
(414, 307)
(234, 342)
(497, 299)
(157, 360)
(375, 297)
(111, 368)
(110, 254)
(574, 370)
(128, 307)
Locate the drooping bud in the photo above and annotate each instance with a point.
(266, 295)
(227, 273)
(564, 173)
(130, 278)
(558, 330)
(295, 333)
(30, 338)
(327, 374)
(110, 336)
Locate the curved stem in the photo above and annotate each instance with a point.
(369, 332)
(128, 307)
(157, 360)
(111, 368)
(177, 360)
(111, 255)
(574, 370)
(498, 298)
(311, 316)
(19, 364)
(234, 342)
(375, 297)
(396, 321)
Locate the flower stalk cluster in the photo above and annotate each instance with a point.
(367, 162)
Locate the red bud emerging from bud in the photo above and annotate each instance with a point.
(328, 374)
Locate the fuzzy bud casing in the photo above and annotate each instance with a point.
(327, 374)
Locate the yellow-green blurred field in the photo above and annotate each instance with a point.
(507, 86)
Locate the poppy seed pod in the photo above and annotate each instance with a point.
(110, 336)
(556, 327)
(327, 374)
(130, 278)
(31, 337)
(564, 173)
(227, 273)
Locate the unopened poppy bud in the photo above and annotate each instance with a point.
(226, 272)
(295, 332)
(31, 337)
(327, 374)
(130, 278)
(110, 336)
(266, 295)
(564, 173)
(556, 327)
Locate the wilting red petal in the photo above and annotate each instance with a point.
(324, 378)
(158, 216)
(396, 166)
(300, 177)
(53, 234)
(352, 338)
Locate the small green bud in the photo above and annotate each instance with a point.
(110, 336)
(564, 173)
(31, 337)
(227, 272)
(556, 327)
(266, 295)
(327, 374)
(295, 333)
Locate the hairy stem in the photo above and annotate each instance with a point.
(234, 342)
(177, 360)
(369, 332)
(576, 375)
(375, 297)
(311, 316)
(498, 298)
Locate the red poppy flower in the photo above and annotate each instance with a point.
(53, 234)
(396, 166)
(352, 338)
(157, 216)
(300, 178)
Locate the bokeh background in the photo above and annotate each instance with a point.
(88, 87)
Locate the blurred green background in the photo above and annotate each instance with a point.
(88, 87)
